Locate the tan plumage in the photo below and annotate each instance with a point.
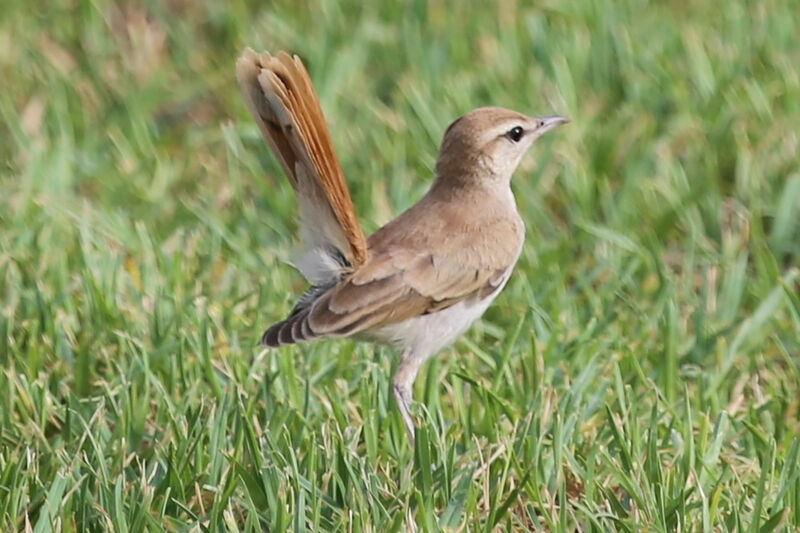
(407, 274)
(421, 280)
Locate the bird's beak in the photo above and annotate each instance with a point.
(548, 123)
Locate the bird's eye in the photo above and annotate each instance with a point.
(515, 133)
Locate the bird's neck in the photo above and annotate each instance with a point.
(473, 191)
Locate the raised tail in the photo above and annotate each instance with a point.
(280, 96)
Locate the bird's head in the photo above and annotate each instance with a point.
(489, 143)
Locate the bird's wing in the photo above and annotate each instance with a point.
(280, 96)
(389, 289)
(399, 288)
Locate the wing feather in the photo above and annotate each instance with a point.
(422, 285)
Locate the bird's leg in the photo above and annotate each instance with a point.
(402, 382)
(402, 395)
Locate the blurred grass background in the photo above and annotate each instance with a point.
(641, 371)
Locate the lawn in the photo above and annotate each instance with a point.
(640, 372)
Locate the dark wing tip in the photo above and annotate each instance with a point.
(270, 337)
(290, 331)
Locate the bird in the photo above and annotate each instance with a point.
(420, 281)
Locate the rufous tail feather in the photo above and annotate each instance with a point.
(280, 96)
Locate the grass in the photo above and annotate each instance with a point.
(641, 371)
